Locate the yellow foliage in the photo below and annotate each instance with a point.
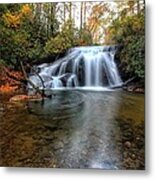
(26, 10)
(136, 25)
(20, 38)
(12, 20)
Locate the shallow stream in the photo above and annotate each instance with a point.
(74, 129)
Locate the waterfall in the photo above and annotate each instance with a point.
(92, 66)
(56, 82)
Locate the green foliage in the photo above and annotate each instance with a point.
(9, 7)
(68, 37)
(85, 38)
(31, 31)
(64, 40)
(24, 36)
(2, 62)
(130, 33)
(20, 36)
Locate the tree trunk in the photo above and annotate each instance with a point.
(64, 11)
(84, 14)
(38, 12)
(30, 82)
(123, 84)
(138, 7)
(70, 11)
(52, 18)
(81, 16)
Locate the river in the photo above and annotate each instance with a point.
(74, 129)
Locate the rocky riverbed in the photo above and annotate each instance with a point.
(75, 129)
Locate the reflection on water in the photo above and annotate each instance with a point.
(75, 129)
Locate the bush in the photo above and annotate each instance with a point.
(64, 40)
(129, 31)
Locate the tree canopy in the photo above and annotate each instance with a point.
(36, 30)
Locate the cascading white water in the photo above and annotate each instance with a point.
(72, 80)
(56, 82)
(92, 66)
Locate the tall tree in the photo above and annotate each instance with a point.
(64, 11)
(70, 11)
(138, 6)
(81, 16)
(84, 13)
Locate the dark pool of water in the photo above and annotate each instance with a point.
(74, 129)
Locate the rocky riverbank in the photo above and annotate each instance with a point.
(132, 143)
(134, 89)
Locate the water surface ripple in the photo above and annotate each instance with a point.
(75, 129)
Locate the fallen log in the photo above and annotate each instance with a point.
(123, 84)
(30, 82)
(129, 81)
(23, 97)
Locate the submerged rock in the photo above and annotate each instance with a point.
(127, 144)
(2, 109)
